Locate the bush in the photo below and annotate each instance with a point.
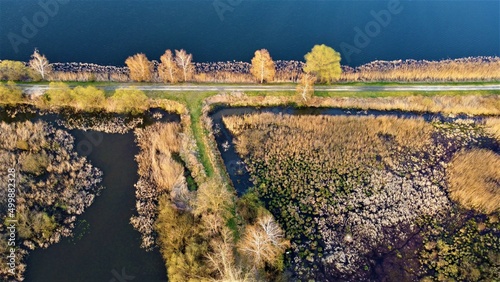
(14, 70)
(59, 94)
(88, 98)
(129, 100)
(10, 93)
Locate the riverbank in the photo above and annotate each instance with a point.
(470, 69)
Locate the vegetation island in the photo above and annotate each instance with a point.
(397, 185)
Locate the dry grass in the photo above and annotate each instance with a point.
(157, 144)
(447, 104)
(446, 70)
(354, 134)
(467, 104)
(87, 76)
(492, 126)
(474, 180)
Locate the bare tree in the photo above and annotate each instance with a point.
(305, 89)
(263, 242)
(141, 69)
(263, 67)
(40, 64)
(168, 69)
(183, 60)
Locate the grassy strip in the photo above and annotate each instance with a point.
(193, 101)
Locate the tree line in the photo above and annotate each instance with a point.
(322, 63)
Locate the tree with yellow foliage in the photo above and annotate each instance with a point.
(141, 69)
(168, 69)
(324, 63)
(263, 68)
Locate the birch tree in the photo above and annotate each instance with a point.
(305, 89)
(168, 69)
(40, 64)
(263, 68)
(183, 60)
(263, 242)
(141, 69)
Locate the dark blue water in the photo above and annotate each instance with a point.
(107, 31)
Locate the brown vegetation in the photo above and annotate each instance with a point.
(474, 180)
(464, 69)
(192, 227)
(168, 70)
(158, 174)
(262, 68)
(53, 185)
(492, 126)
(348, 189)
(141, 69)
(446, 104)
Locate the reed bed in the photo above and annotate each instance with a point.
(53, 186)
(464, 69)
(348, 189)
(474, 180)
(446, 104)
(492, 126)
(158, 173)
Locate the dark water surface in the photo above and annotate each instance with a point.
(108, 31)
(110, 247)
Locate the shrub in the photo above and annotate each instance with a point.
(59, 94)
(129, 100)
(10, 93)
(88, 98)
(14, 70)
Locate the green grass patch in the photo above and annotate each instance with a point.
(194, 102)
